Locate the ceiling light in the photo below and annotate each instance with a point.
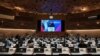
(84, 9)
(78, 24)
(97, 22)
(51, 17)
(19, 8)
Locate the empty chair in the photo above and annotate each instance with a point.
(91, 50)
(3, 49)
(56, 50)
(65, 45)
(38, 50)
(54, 45)
(42, 45)
(74, 50)
(21, 50)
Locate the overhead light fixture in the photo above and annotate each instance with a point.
(84, 9)
(3, 16)
(78, 24)
(51, 17)
(97, 22)
(92, 17)
(19, 8)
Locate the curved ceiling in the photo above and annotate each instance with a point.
(51, 6)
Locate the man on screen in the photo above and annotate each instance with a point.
(51, 27)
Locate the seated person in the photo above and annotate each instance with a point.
(82, 45)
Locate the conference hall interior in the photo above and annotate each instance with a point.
(49, 27)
